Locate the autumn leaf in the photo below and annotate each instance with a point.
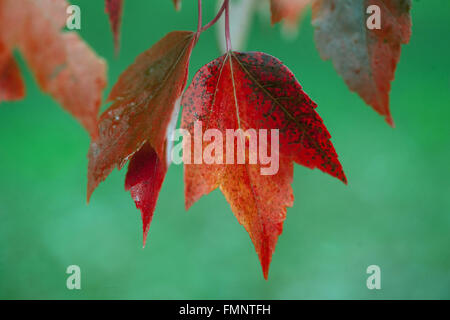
(64, 66)
(114, 10)
(177, 4)
(11, 83)
(144, 179)
(255, 91)
(145, 103)
(288, 10)
(365, 58)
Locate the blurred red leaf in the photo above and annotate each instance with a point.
(64, 66)
(11, 83)
(177, 4)
(288, 10)
(365, 58)
(145, 103)
(114, 10)
(144, 179)
(255, 91)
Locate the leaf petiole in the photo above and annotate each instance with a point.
(227, 24)
(200, 17)
(219, 14)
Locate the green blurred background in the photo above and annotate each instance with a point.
(394, 213)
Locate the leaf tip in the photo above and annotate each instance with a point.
(144, 240)
(114, 10)
(265, 269)
(91, 186)
(344, 179)
(188, 201)
(116, 48)
(390, 121)
(89, 193)
(265, 257)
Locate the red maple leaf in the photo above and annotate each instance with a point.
(144, 180)
(64, 66)
(136, 126)
(249, 94)
(365, 58)
(255, 91)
